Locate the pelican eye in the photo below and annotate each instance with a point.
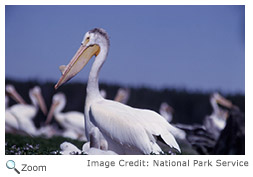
(86, 40)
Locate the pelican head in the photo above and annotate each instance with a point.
(221, 100)
(10, 89)
(166, 111)
(58, 104)
(165, 107)
(91, 46)
(122, 95)
(37, 99)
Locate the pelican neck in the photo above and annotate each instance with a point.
(92, 85)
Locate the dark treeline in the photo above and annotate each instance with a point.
(190, 106)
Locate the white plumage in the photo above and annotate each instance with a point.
(122, 95)
(90, 148)
(219, 116)
(103, 93)
(72, 121)
(11, 122)
(216, 122)
(127, 130)
(24, 113)
(68, 148)
(97, 145)
(131, 129)
(166, 111)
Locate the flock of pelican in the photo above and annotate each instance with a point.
(107, 126)
(19, 117)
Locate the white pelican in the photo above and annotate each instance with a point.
(122, 95)
(127, 130)
(217, 120)
(25, 113)
(72, 121)
(11, 122)
(166, 111)
(10, 89)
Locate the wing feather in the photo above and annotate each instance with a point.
(130, 126)
(75, 119)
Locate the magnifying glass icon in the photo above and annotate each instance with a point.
(11, 165)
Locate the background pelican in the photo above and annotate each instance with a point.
(11, 91)
(216, 122)
(166, 111)
(122, 95)
(25, 113)
(11, 122)
(127, 130)
(72, 122)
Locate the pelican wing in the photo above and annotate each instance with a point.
(75, 119)
(158, 126)
(23, 111)
(10, 120)
(131, 127)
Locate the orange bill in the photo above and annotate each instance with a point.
(77, 63)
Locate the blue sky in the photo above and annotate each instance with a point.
(193, 47)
